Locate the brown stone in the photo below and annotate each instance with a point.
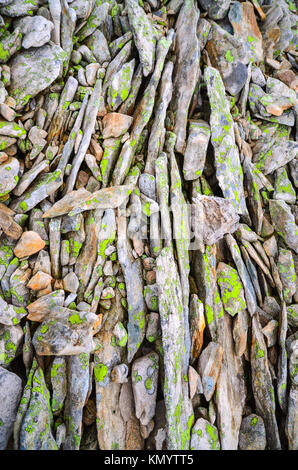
(3, 157)
(29, 243)
(8, 225)
(115, 124)
(96, 149)
(289, 78)
(39, 281)
(278, 107)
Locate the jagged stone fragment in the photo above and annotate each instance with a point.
(212, 218)
(144, 384)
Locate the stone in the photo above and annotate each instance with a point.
(196, 149)
(36, 428)
(292, 314)
(144, 386)
(240, 330)
(215, 11)
(10, 341)
(286, 269)
(187, 69)
(209, 367)
(44, 65)
(8, 113)
(43, 306)
(257, 76)
(172, 325)
(243, 20)
(43, 187)
(270, 332)
(115, 124)
(143, 34)
(147, 185)
(283, 188)
(36, 31)
(9, 226)
(18, 8)
(252, 433)
(262, 385)
(194, 382)
(197, 326)
(39, 281)
(284, 223)
(151, 297)
(10, 394)
(10, 314)
(212, 218)
(9, 178)
(67, 203)
(228, 170)
(230, 56)
(231, 289)
(59, 383)
(71, 283)
(119, 374)
(204, 436)
(65, 332)
(29, 243)
(153, 327)
(98, 45)
(120, 85)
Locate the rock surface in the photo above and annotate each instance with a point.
(148, 225)
(10, 393)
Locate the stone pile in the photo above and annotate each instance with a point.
(148, 225)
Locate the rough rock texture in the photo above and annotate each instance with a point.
(10, 394)
(148, 225)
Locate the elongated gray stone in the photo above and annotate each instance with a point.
(178, 405)
(227, 163)
(143, 33)
(36, 432)
(262, 385)
(10, 394)
(196, 149)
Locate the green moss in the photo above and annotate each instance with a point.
(100, 372)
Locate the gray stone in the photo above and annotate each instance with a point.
(36, 31)
(19, 8)
(284, 223)
(65, 332)
(144, 385)
(216, 10)
(212, 218)
(10, 394)
(33, 71)
(209, 367)
(252, 433)
(147, 185)
(204, 436)
(232, 292)
(286, 268)
(71, 283)
(9, 175)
